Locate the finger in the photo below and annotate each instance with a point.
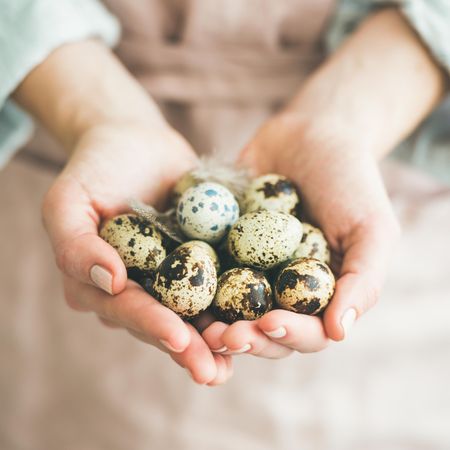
(135, 309)
(148, 340)
(108, 323)
(72, 224)
(243, 337)
(213, 336)
(197, 359)
(367, 251)
(212, 370)
(73, 302)
(247, 335)
(224, 370)
(304, 334)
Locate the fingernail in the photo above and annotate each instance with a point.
(278, 333)
(169, 347)
(243, 349)
(348, 319)
(102, 278)
(221, 349)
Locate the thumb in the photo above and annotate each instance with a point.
(72, 223)
(367, 250)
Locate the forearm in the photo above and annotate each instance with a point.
(374, 90)
(83, 85)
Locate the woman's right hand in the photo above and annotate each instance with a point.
(121, 147)
(109, 165)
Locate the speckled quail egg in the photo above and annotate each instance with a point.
(264, 239)
(138, 242)
(207, 211)
(313, 245)
(185, 182)
(305, 286)
(211, 252)
(186, 280)
(271, 192)
(242, 294)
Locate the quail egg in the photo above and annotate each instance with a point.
(211, 252)
(313, 245)
(264, 239)
(242, 294)
(271, 192)
(185, 182)
(304, 286)
(207, 211)
(138, 242)
(186, 280)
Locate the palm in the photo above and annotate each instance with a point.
(341, 192)
(108, 167)
(128, 163)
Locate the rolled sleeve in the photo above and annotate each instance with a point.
(29, 31)
(428, 148)
(429, 18)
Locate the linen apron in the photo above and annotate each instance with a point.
(218, 69)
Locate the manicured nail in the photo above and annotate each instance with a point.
(278, 333)
(169, 347)
(221, 349)
(102, 278)
(243, 349)
(348, 319)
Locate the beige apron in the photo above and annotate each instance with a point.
(218, 68)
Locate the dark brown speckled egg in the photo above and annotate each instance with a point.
(305, 286)
(186, 280)
(242, 294)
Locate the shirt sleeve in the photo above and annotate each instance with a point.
(29, 31)
(429, 18)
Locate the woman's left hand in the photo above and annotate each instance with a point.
(351, 111)
(342, 192)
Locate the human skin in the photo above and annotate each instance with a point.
(120, 147)
(327, 140)
(351, 112)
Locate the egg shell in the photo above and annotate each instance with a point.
(242, 294)
(186, 280)
(305, 286)
(271, 192)
(185, 182)
(264, 239)
(139, 244)
(313, 245)
(207, 211)
(210, 251)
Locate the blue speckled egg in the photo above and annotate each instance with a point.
(207, 211)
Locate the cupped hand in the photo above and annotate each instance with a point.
(342, 192)
(109, 165)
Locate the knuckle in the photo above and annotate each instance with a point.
(372, 294)
(62, 258)
(72, 303)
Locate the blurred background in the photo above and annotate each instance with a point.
(66, 382)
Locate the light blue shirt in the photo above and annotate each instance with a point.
(31, 29)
